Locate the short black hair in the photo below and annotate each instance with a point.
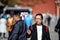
(17, 14)
(39, 15)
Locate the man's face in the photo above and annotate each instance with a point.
(9, 16)
(38, 20)
(15, 18)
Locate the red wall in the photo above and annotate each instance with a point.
(42, 8)
(59, 11)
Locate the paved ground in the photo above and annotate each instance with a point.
(53, 34)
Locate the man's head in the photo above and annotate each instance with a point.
(39, 19)
(9, 16)
(16, 17)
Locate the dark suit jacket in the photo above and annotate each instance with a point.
(19, 31)
(45, 33)
(58, 25)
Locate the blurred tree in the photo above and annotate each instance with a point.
(5, 2)
(12, 2)
(9, 2)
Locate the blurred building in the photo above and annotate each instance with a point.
(39, 6)
(57, 7)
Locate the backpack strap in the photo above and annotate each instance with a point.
(31, 27)
(47, 29)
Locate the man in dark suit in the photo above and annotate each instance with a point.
(19, 30)
(38, 31)
(58, 27)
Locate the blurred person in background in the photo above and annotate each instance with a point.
(0, 23)
(3, 29)
(48, 19)
(9, 24)
(6, 16)
(38, 31)
(28, 20)
(19, 30)
(57, 28)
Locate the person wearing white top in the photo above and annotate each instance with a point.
(3, 28)
(38, 31)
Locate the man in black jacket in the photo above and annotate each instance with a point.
(38, 31)
(57, 28)
(19, 30)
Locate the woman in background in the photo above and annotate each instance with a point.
(10, 23)
(3, 27)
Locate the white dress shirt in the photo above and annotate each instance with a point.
(39, 32)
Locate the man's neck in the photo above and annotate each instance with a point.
(17, 19)
(39, 24)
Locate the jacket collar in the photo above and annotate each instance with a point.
(43, 30)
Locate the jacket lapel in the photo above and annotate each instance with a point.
(35, 30)
(43, 32)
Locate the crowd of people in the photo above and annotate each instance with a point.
(19, 29)
(8, 21)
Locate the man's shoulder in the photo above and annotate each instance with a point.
(46, 28)
(20, 22)
(44, 25)
(35, 25)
